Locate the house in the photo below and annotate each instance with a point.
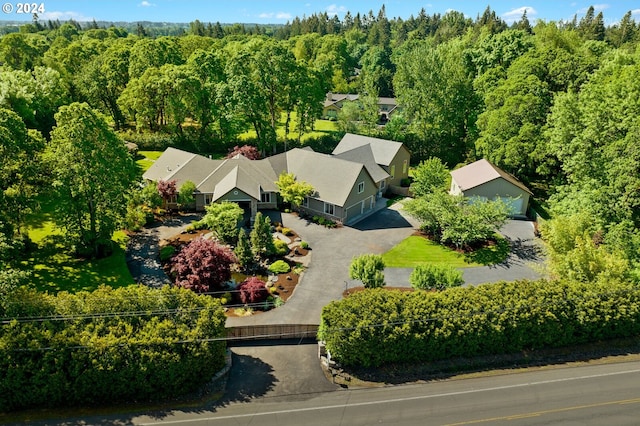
(346, 186)
(334, 101)
(392, 156)
(487, 181)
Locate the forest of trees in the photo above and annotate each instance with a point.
(555, 103)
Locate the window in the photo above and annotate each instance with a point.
(404, 167)
(383, 184)
(305, 202)
(360, 187)
(329, 209)
(207, 199)
(393, 171)
(265, 197)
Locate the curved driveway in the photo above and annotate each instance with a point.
(331, 254)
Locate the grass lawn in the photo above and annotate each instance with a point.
(417, 250)
(145, 159)
(56, 270)
(322, 127)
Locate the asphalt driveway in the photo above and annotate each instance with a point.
(331, 252)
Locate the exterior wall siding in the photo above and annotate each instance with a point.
(500, 188)
(399, 161)
(353, 205)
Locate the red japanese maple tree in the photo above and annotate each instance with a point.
(203, 265)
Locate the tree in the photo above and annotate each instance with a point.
(252, 290)
(203, 265)
(261, 237)
(167, 190)
(430, 176)
(247, 151)
(20, 169)
(150, 195)
(185, 194)
(224, 219)
(458, 221)
(435, 277)
(368, 268)
(243, 250)
(92, 171)
(293, 191)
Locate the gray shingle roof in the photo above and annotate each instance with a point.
(481, 172)
(364, 155)
(180, 166)
(384, 151)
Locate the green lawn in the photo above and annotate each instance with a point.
(56, 270)
(322, 127)
(145, 159)
(416, 250)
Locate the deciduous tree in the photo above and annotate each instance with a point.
(368, 268)
(203, 265)
(92, 172)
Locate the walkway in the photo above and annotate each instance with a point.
(143, 251)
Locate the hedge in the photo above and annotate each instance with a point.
(79, 349)
(377, 327)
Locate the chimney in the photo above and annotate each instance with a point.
(329, 96)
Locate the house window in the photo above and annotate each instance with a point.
(360, 187)
(265, 197)
(404, 167)
(305, 202)
(207, 199)
(393, 171)
(329, 209)
(383, 184)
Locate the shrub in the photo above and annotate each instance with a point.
(166, 252)
(279, 267)
(252, 290)
(224, 219)
(376, 327)
(261, 237)
(435, 277)
(203, 265)
(282, 248)
(304, 245)
(112, 357)
(368, 269)
(226, 298)
(286, 231)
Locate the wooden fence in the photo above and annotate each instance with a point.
(272, 332)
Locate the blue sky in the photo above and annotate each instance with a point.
(265, 12)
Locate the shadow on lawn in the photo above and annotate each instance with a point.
(54, 270)
(491, 255)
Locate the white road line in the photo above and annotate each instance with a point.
(391, 401)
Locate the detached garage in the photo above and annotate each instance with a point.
(487, 181)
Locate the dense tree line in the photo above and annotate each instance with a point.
(554, 103)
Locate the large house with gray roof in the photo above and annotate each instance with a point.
(346, 184)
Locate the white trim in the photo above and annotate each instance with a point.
(332, 208)
(360, 185)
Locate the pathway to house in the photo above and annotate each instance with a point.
(143, 250)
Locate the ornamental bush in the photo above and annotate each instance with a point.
(127, 344)
(252, 290)
(368, 268)
(435, 277)
(279, 267)
(378, 327)
(203, 265)
(282, 248)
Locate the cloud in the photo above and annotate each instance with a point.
(64, 16)
(596, 7)
(146, 3)
(635, 12)
(276, 15)
(334, 9)
(514, 15)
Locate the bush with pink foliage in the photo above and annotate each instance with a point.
(253, 290)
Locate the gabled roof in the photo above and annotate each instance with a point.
(364, 155)
(250, 176)
(481, 172)
(331, 177)
(384, 151)
(180, 166)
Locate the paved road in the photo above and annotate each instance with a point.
(580, 395)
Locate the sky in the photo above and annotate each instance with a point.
(279, 12)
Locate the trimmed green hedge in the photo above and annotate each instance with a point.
(100, 354)
(377, 327)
